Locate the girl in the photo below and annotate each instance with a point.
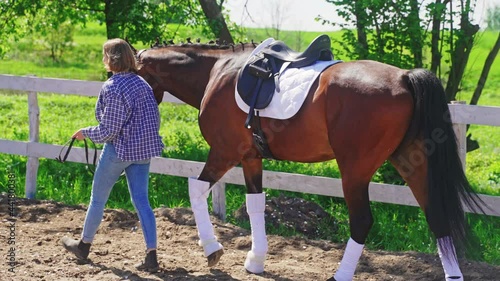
(129, 121)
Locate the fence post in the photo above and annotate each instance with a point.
(33, 162)
(461, 134)
(219, 200)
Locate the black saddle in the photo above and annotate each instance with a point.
(318, 49)
(255, 86)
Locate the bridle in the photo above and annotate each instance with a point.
(69, 144)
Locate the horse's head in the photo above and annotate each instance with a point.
(185, 70)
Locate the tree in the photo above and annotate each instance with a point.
(19, 18)
(415, 33)
(354, 45)
(59, 40)
(461, 42)
(437, 12)
(137, 20)
(472, 144)
(486, 70)
(387, 31)
(119, 16)
(493, 18)
(278, 14)
(216, 21)
(393, 32)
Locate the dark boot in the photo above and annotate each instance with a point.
(150, 263)
(77, 247)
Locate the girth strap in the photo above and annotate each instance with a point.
(260, 140)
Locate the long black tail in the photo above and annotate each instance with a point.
(447, 184)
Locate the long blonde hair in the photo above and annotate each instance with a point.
(118, 56)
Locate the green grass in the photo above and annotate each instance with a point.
(396, 228)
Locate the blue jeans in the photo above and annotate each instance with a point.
(106, 174)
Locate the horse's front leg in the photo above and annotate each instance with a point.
(199, 189)
(256, 205)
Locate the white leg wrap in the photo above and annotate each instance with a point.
(198, 194)
(349, 261)
(449, 261)
(256, 204)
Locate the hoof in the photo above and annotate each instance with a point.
(214, 257)
(254, 264)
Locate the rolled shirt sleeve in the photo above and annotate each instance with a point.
(128, 118)
(111, 118)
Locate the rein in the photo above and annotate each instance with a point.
(70, 142)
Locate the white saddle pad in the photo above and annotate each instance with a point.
(294, 84)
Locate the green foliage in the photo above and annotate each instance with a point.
(493, 18)
(137, 20)
(143, 21)
(388, 174)
(386, 31)
(485, 180)
(59, 40)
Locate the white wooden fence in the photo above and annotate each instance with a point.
(387, 193)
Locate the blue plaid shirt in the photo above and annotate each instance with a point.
(128, 118)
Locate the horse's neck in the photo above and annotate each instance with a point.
(187, 77)
(191, 85)
(189, 90)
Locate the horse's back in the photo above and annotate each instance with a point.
(368, 77)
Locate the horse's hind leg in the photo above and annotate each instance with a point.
(360, 222)
(411, 163)
(357, 164)
(256, 204)
(199, 190)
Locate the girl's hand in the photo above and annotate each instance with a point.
(78, 135)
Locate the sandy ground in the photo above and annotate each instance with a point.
(39, 226)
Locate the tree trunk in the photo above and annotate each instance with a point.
(437, 15)
(361, 17)
(460, 54)
(416, 35)
(108, 19)
(472, 144)
(216, 20)
(486, 70)
(115, 19)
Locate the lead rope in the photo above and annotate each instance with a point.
(71, 141)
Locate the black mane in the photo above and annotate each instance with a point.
(213, 44)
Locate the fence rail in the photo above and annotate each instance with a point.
(461, 115)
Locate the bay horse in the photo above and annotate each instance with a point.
(360, 113)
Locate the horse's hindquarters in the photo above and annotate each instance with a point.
(369, 109)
